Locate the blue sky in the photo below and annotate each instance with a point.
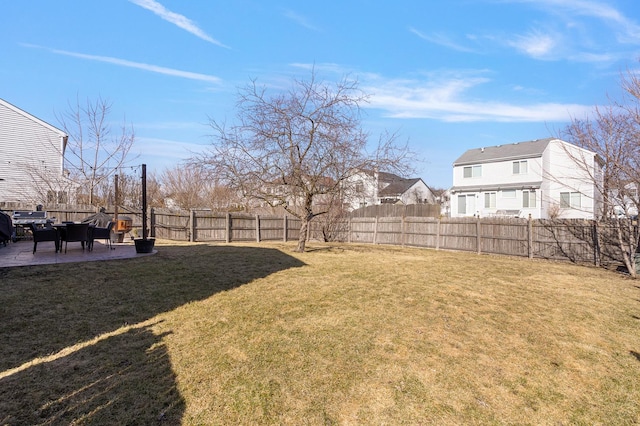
(446, 75)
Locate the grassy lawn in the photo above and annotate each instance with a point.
(342, 334)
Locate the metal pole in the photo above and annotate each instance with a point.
(115, 214)
(144, 201)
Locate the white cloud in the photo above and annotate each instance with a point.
(139, 65)
(536, 44)
(441, 40)
(447, 99)
(176, 19)
(626, 29)
(300, 20)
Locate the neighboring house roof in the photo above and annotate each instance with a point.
(32, 118)
(527, 149)
(398, 187)
(382, 176)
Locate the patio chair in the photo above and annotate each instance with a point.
(98, 233)
(6, 228)
(75, 232)
(44, 234)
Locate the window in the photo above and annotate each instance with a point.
(472, 171)
(570, 200)
(520, 167)
(462, 204)
(466, 204)
(489, 200)
(528, 198)
(59, 197)
(509, 193)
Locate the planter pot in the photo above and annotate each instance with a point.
(144, 246)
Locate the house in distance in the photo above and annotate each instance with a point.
(544, 178)
(368, 188)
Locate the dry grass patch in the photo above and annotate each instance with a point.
(344, 334)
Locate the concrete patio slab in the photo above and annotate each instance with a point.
(21, 253)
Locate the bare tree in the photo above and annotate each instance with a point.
(191, 187)
(295, 147)
(613, 132)
(130, 189)
(94, 153)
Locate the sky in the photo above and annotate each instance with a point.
(445, 75)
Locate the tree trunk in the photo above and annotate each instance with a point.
(305, 219)
(628, 250)
(302, 239)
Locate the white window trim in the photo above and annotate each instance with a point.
(531, 199)
(573, 197)
(522, 166)
(475, 171)
(491, 199)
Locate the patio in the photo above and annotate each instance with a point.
(21, 253)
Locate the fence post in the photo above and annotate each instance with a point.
(228, 228)
(439, 223)
(402, 231)
(257, 228)
(530, 237)
(596, 244)
(192, 226)
(152, 219)
(478, 236)
(349, 230)
(285, 225)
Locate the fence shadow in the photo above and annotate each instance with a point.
(46, 309)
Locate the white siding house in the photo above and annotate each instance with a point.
(368, 188)
(31, 157)
(543, 178)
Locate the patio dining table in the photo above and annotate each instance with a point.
(74, 232)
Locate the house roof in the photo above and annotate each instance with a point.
(398, 187)
(516, 150)
(32, 117)
(382, 176)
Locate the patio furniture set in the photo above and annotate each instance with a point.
(67, 232)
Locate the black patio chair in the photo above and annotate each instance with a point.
(98, 233)
(6, 228)
(44, 234)
(75, 232)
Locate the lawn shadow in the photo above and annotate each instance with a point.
(46, 309)
(123, 379)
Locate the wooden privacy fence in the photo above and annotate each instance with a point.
(574, 240)
(207, 226)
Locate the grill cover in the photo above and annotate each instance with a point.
(100, 219)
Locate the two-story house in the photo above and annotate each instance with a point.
(368, 188)
(544, 178)
(31, 158)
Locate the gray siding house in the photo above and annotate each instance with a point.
(31, 158)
